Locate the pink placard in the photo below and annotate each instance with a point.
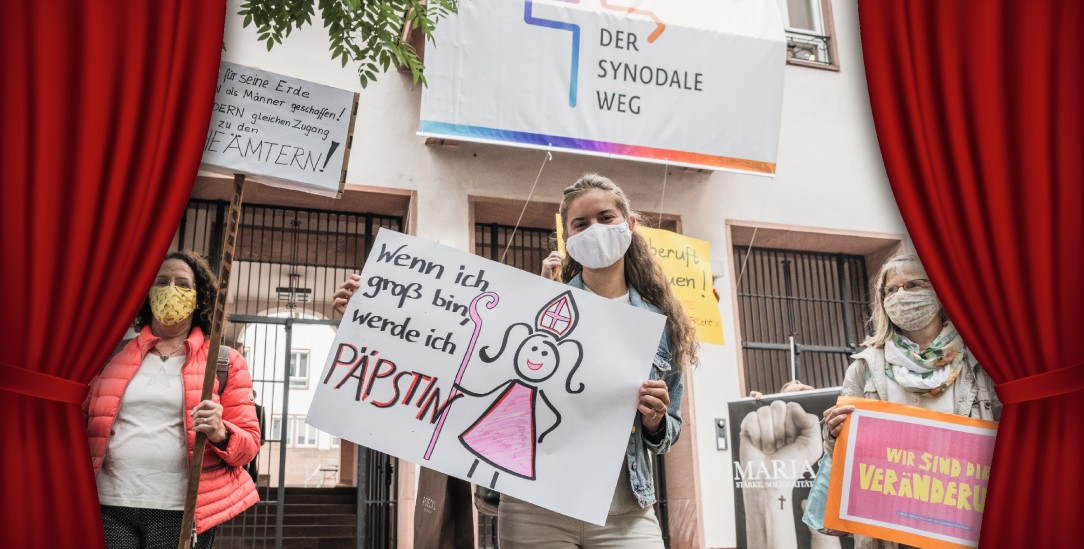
(920, 476)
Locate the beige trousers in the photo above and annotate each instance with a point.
(527, 526)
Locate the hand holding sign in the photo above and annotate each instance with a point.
(834, 418)
(551, 266)
(345, 292)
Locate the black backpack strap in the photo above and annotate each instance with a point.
(223, 371)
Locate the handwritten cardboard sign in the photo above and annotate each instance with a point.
(487, 373)
(280, 130)
(686, 261)
(910, 475)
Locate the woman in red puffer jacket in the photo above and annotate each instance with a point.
(144, 410)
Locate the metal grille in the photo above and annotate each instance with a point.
(820, 298)
(381, 472)
(528, 248)
(284, 257)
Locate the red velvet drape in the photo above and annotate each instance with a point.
(979, 108)
(105, 107)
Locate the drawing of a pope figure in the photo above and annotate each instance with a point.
(504, 436)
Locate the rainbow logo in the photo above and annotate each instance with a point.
(573, 79)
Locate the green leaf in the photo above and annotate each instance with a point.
(365, 31)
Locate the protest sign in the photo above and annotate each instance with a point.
(684, 82)
(776, 447)
(488, 373)
(910, 475)
(686, 262)
(280, 130)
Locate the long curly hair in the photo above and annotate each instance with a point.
(641, 270)
(205, 293)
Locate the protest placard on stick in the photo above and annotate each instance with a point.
(280, 130)
(218, 320)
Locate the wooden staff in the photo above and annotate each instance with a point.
(218, 320)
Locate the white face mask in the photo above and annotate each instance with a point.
(600, 245)
(911, 310)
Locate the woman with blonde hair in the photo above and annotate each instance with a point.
(608, 258)
(913, 356)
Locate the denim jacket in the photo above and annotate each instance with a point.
(664, 368)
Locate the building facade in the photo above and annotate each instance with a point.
(790, 255)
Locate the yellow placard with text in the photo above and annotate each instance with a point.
(686, 262)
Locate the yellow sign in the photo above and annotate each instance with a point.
(686, 262)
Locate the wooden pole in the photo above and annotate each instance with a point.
(218, 320)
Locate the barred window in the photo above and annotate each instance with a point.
(818, 298)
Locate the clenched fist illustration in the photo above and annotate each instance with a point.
(780, 439)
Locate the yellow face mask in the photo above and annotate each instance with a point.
(170, 304)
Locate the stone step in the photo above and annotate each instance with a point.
(287, 543)
(268, 508)
(292, 519)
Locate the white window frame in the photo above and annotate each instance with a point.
(300, 380)
(824, 56)
(817, 16)
(307, 436)
(272, 434)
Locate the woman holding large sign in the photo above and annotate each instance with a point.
(144, 410)
(914, 357)
(606, 257)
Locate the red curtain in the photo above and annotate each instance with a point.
(105, 108)
(979, 109)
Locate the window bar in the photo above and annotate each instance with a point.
(368, 232)
(764, 322)
(844, 290)
(215, 252)
(828, 320)
(779, 313)
(791, 318)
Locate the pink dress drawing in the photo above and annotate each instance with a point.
(504, 436)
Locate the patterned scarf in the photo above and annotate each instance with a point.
(928, 372)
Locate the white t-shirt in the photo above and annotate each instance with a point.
(146, 460)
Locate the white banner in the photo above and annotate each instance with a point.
(280, 130)
(685, 82)
(488, 373)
